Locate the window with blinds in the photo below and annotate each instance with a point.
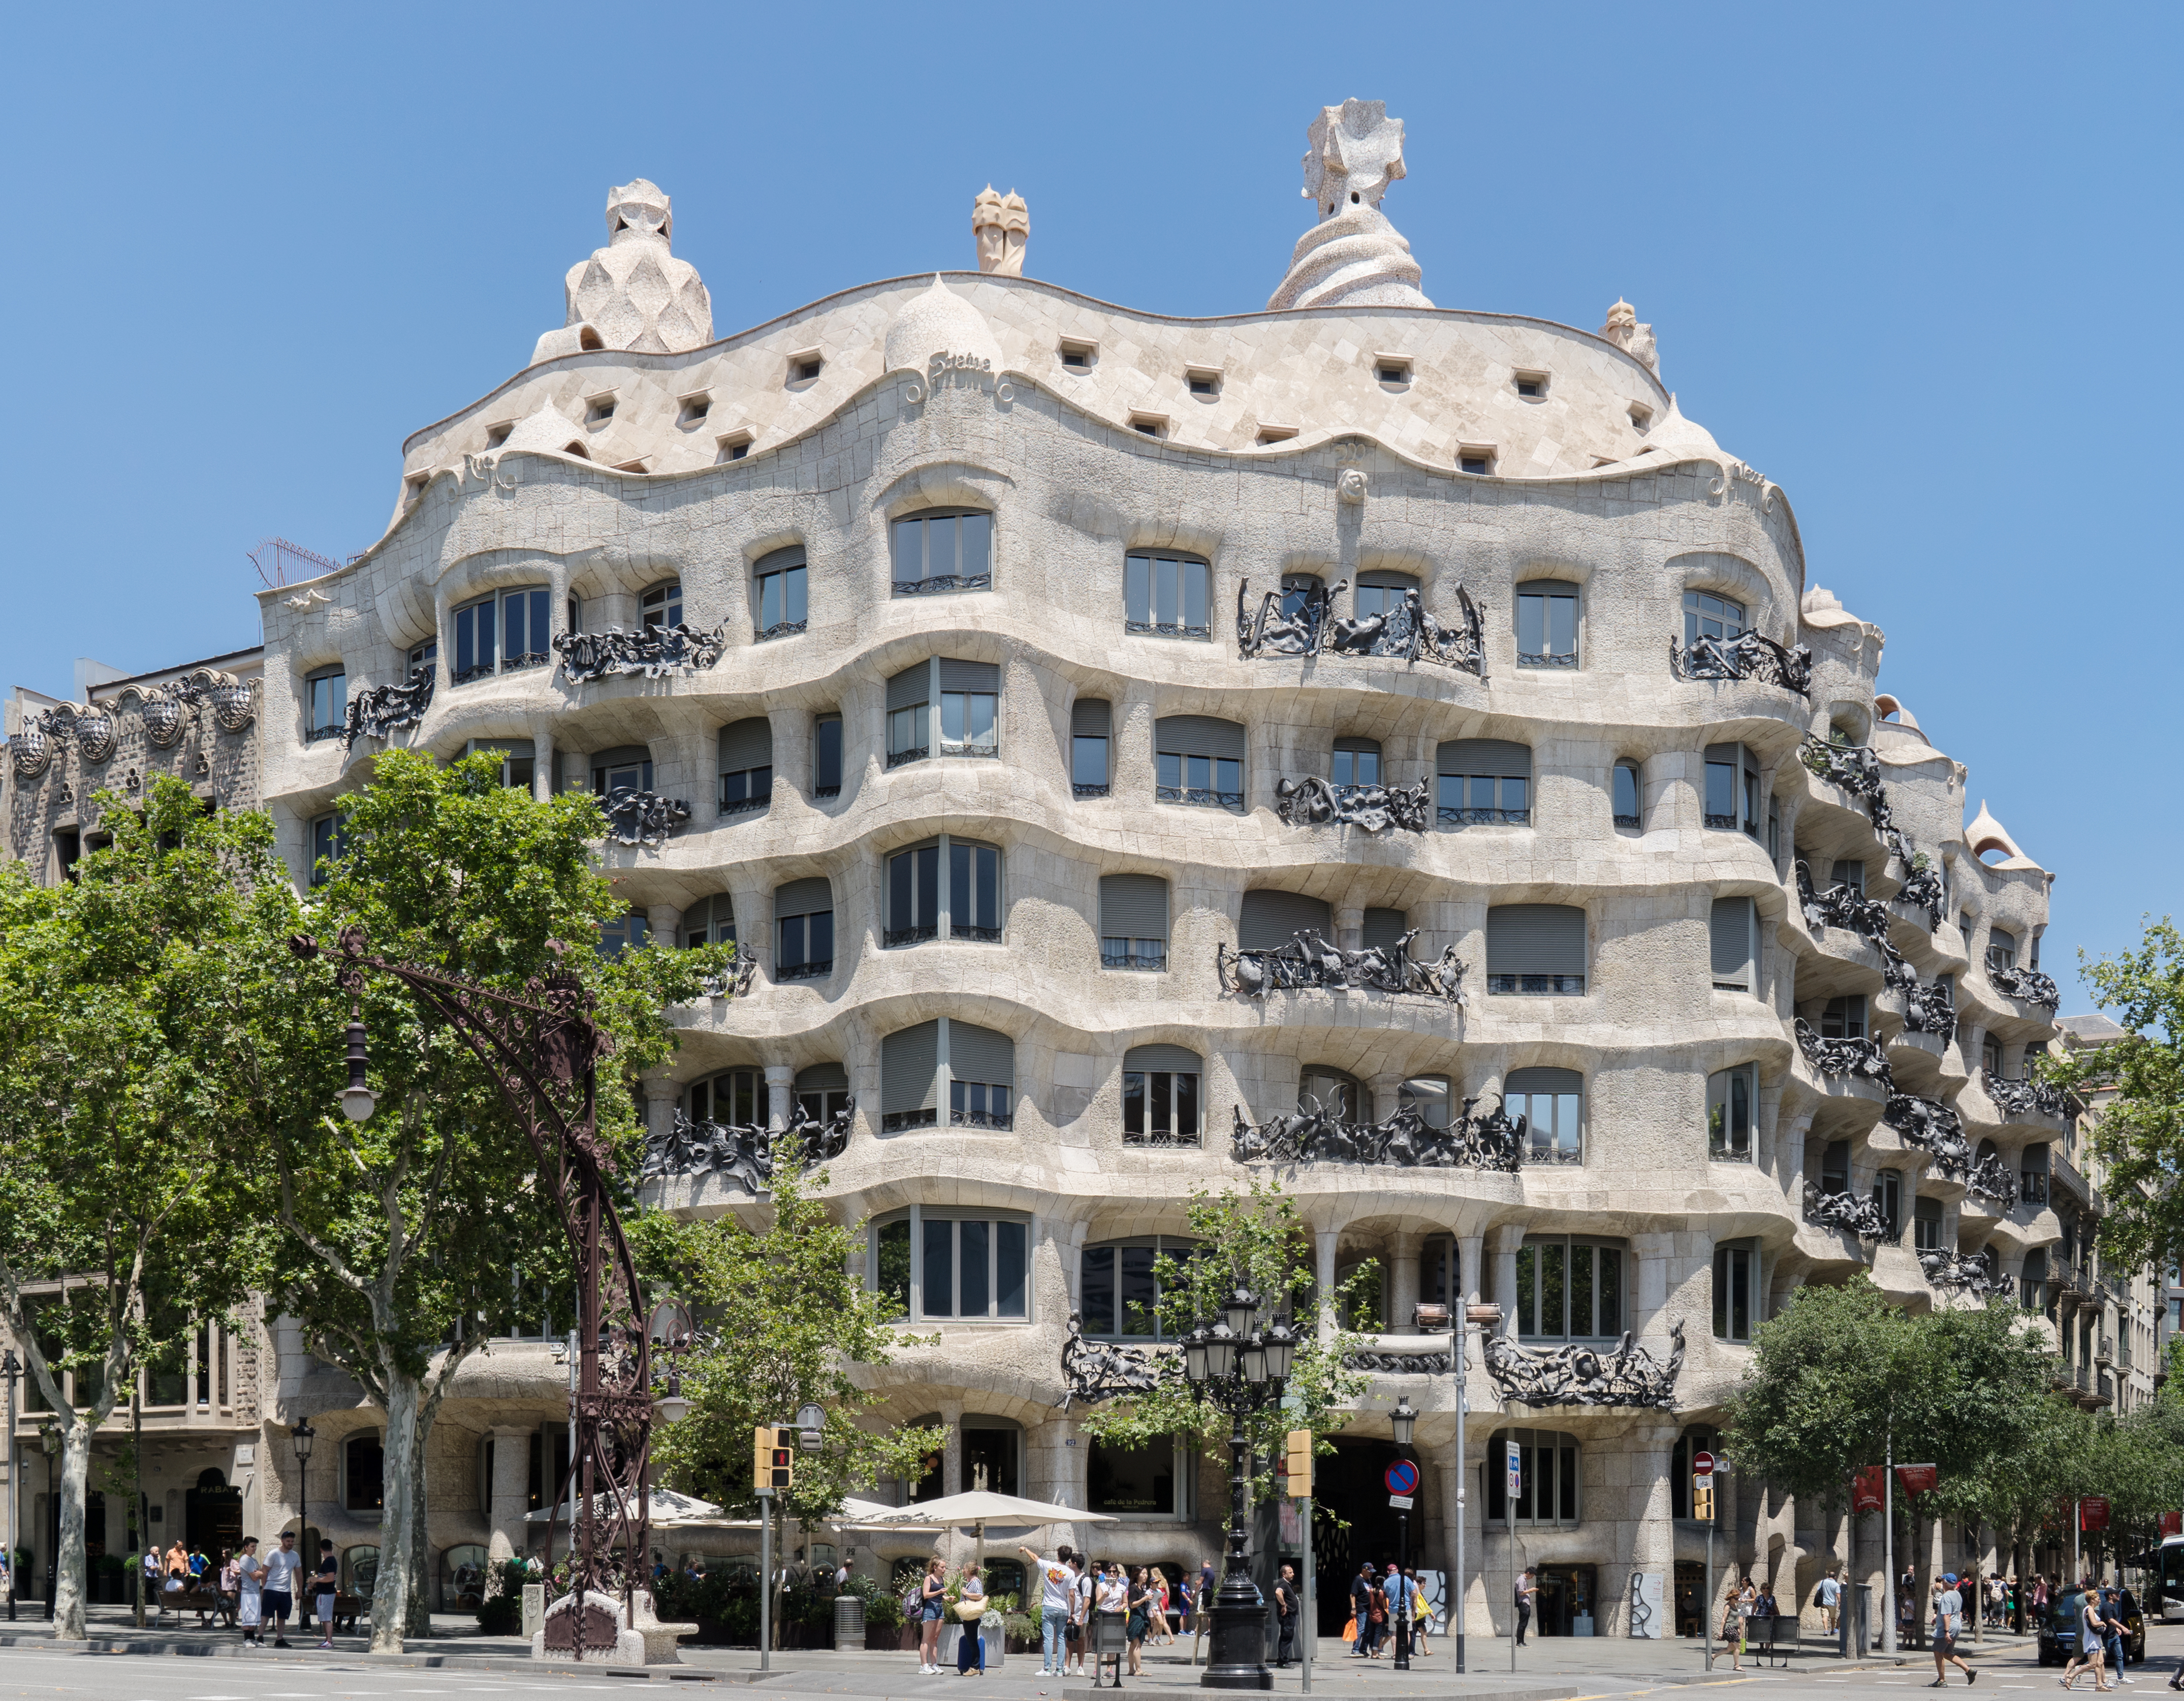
(827, 753)
(804, 929)
(1134, 922)
(1383, 928)
(1166, 595)
(1162, 1096)
(946, 887)
(981, 1064)
(1547, 624)
(1732, 790)
(746, 765)
(1732, 1113)
(910, 714)
(1732, 942)
(1535, 948)
(1550, 1104)
(1272, 919)
(943, 549)
(779, 604)
(709, 921)
(1484, 782)
(1356, 762)
(970, 707)
(1091, 746)
(1199, 760)
(822, 1092)
(910, 1078)
(970, 1069)
(626, 768)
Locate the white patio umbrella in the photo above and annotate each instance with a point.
(981, 1507)
(667, 1508)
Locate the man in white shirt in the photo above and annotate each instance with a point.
(1055, 1581)
(284, 1569)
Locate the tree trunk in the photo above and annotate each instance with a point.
(391, 1593)
(67, 1588)
(421, 1590)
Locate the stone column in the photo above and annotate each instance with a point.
(1655, 1254)
(1651, 1543)
(509, 1492)
(951, 1466)
(666, 923)
(661, 1096)
(1402, 1283)
(1325, 1242)
(542, 757)
(1501, 1246)
(1349, 928)
(780, 1096)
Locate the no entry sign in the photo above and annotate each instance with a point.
(1701, 1464)
(1401, 1477)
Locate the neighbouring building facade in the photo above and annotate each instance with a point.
(1383, 748)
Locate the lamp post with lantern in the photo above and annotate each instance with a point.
(1239, 1367)
(49, 1438)
(303, 1434)
(11, 1373)
(1404, 1420)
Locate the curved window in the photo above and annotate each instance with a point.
(1091, 747)
(507, 631)
(1926, 1225)
(946, 887)
(1133, 922)
(709, 921)
(1736, 1290)
(1272, 919)
(1733, 936)
(1161, 1095)
(1546, 624)
(943, 549)
(969, 696)
(1430, 1095)
(630, 933)
(1383, 928)
(1484, 782)
(1843, 1017)
(1708, 614)
(779, 605)
(626, 768)
(822, 1092)
(518, 759)
(1732, 789)
(971, 1069)
(1380, 594)
(329, 844)
(661, 606)
(2001, 950)
(1198, 760)
(1166, 595)
(735, 1098)
(1550, 1104)
(1888, 1199)
(746, 765)
(1334, 1093)
(827, 755)
(1535, 948)
(1569, 1288)
(804, 929)
(1356, 762)
(1119, 1285)
(1732, 1113)
(943, 1266)
(1547, 1490)
(424, 658)
(325, 705)
(910, 714)
(1627, 795)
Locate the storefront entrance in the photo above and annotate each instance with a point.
(1691, 1591)
(1565, 1600)
(214, 1512)
(1350, 1484)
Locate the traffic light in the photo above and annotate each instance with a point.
(1702, 1499)
(1299, 1450)
(773, 1458)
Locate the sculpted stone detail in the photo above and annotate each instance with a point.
(1965, 1272)
(1625, 1375)
(1096, 1370)
(2028, 986)
(1634, 339)
(1859, 1059)
(739, 1152)
(633, 293)
(1384, 1363)
(1280, 629)
(1352, 256)
(1845, 1212)
(643, 817)
(2022, 1098)
(1304, 623)
(1313, 802)
(1994, 1180)
(1350, 486)
(162, 711)
(375, 713)
(1311, 1135)
(1000, 226)
(1308, 961)
(1842, 906)
(1933, 1127)
(655, 652)
(1928, 1010)
(1751, 655)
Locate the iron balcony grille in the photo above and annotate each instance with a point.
(805, 971)
(1724, 1148)
(1151, 629)
(1728, 821)
(980, 1118)
(1626, 821)
(1548, 658)
(316, 733)
(483, 670)
(897, 1120)
(1485, 817)
(1540, 1152)
(945, 582)
(1199, 796)
(1083, 790)
(1562, 985)
(743, 805)
(1155, 961)
(978, 935)
(897, 758)
(781, 629)
(950, 747)
(530, 658)
(894, 936)
(826, 791)
(1162, 1137)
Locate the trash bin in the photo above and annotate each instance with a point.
(848, 1622)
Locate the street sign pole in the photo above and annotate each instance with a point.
(1702, 1491)
(1513, 1461)
(1307, 1623)
(765, 1580)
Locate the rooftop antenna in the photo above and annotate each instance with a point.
(279, 562)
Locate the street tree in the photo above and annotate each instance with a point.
(781, 1321)
(1256, 1241)
(408, 1230)
(123, 1223)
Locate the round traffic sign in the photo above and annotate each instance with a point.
(1401, 1477)
(1702, 1465)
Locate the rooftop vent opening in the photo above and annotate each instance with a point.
(1475, 458)
(1393, 370)
(588, 340)
(413, 486)
(1532, 386)
(805, 364)
(576, 448)
(1641, 416)
(735, 444)
(695, 406)
(1269, 432)
(496, 435)
(1152, 425)
(631, 467)
(1078, 356)
(599, 409)
(1203, 381)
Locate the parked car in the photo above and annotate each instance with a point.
(2059, 1630)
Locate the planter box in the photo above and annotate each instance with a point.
(886, 1639)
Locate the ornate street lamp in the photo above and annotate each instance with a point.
(672, 1334)
(1405, 1423)
(11, 1373)
(303, 1434)
(1239, 1368)
(49, 1438)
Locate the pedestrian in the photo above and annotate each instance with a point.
(325, 1590)
(2112, 1611)
(1202, 1624)
(1077, 1631)
(1378, 1613)
(1361, 1610)
(284, 1572)
(932, 1601)
(1285, 1616)
(2092, 1634)
(1830, 1597)
(971, 1612)
(1163, 1628)
(1734, 1609)
(1111, 1600)
(1948, 1610)
(1528, 1589)
(1139, 1603)
(250, 1593)
(1056, 1582)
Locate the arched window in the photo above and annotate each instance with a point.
(946, 887)
(1548, 1480)
(736, 1098)
(630, 933)
(972, 1069)
(1118, 1285)
(1198, 760)
(2001, 950)
(746, 762)
(1383, 928)
(993, 1462)
(959, 1265)
(1381, 592)
(626, 767)
(1732, 1113)
(1428, 1095)
(709, 921)
(1551, 1106)
(778, 603)
(661, 606)
(1628, 798)
(943, 549)
(1271, 919)
(1162, 1098)
(1569, 1288)
(1708, 614)
(804, 929)
(1166, 594)
(509, 630)
(1357, 762)
(822, 1092)
(1547, 624)
(1484, 782)
(364, 1472)
(1732, 789)
(1335, 1091)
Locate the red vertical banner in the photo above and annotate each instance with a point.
(2172, 1523)
(2094, 1512)
(1865, 1490)
(1918, 1478)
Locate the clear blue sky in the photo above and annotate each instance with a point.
(1918, 264)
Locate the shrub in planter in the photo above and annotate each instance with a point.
(500, 1615)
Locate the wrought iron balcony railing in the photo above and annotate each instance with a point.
(944, 582)
(989, 749)
(1484, 817)
(1313, 802)
(525, 662)
(1534, 986)
(912, 935)
(1844, 906)
(1855, 767)
(1991, 1179)
(1083, 790)
(378, 712)
(1548, 658)
(1308, 961)
(1857, 1059)
(655, 652)
(1000, 1120)
(1751, 655)
(896, 1121)
(1152, 961)
(1304, 623)
(783, 628)
(817, 970)
(1154, 628)
(1202, 796)
(643, 817)
(2027, 986)
(2024, 1098)
(1847, 1211)
(1313, 1135)
(2032, 1187)
(916, 753)
(1932, 1126)
(1929, 1009)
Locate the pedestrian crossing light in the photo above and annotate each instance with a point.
(1702, 1499)
(1300, 1462)
(773, 1458)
